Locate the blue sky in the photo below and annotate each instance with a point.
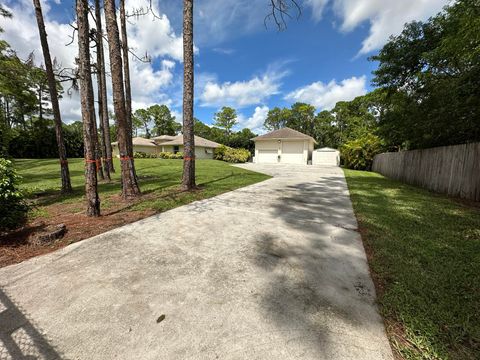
(321, 58)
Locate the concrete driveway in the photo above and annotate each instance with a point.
(275, 270)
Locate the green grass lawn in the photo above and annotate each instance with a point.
(425, 254)
(159, 181)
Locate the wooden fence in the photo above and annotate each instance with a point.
(452, 170)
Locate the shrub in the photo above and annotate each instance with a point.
(144, 155)
(170, 155)
(13, 208)
(228, 154)
(219, 152)
(358, 154)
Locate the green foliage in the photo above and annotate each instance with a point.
(141, 119)
(170, 155)
(156, 120)
(144, 155)
(163, 120)
(425, 253)
(239, 139)
(226, 119)
(13, 208)
(231, 155)
(38, 140)
(277, 118)
(429, 77)
(358, 154)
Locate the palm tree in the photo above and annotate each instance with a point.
(52, 87)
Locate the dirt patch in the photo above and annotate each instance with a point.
(18, 246)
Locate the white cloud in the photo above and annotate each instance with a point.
(317, 7)
(154, 36)
(149, 82)
(242, 93)
(325, 96)
(254, 122)
(386, 17)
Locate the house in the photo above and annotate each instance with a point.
(326, 156)
(167, 143)
(203, 147)
(286, 146)
(139, 145)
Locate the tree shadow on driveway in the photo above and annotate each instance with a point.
(319, 285)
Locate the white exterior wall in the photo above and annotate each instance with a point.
(285, 150)
(137, 148)
(200, 152)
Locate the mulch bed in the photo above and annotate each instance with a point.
(19, 245)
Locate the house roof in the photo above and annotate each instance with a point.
(199, 141)
(140, 141)
(284, 133)
(163, 138)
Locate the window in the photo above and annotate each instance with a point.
(208, 151)
(176, 149)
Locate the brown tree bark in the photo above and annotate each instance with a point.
(52, 87)
(105, 142)
(88, 109)
(97, 145)
(126, 68)
(124, 134)
(188, 181)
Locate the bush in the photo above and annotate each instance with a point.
(170, 155)
(358, 154)
(228, 154)
(13, 208)
(144, 155)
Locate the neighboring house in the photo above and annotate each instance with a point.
(326, 156)
(203, 147)
(166, 143)
(286, 146)
(139, 145)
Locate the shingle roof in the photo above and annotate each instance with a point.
(283, 133)
(163, 138)
(139, 141)
(199, 141)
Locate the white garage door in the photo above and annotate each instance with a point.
(292, 152)
(267, 156)
(330, 158)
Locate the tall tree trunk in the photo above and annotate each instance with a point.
(126, 67)
(102, 96)
(97, 145)
(124, 134)
(52, 86)
(188, 181)
(88, 110)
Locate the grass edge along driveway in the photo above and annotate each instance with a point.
(424, 254)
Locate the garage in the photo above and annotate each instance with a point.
(326, 156)
(268, 156)
(292, 152)
(285, 146)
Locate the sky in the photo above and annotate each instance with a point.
(320, 58)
